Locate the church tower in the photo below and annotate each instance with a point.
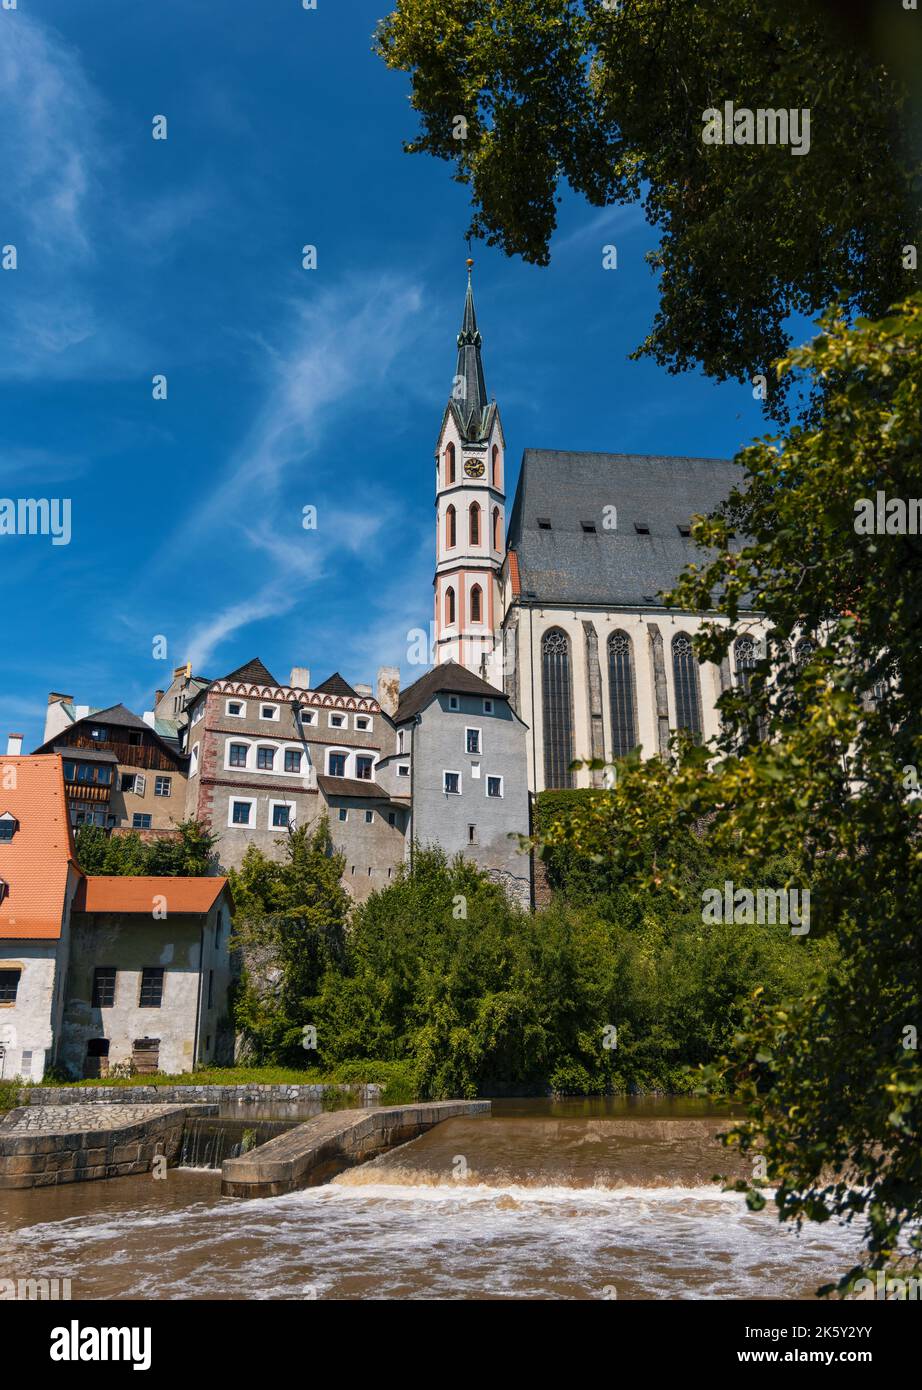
(470, 510)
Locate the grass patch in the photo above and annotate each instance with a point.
(395, 1077)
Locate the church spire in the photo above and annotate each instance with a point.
(470, 392)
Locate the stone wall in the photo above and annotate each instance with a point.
(186, 1095)
(44, 1148)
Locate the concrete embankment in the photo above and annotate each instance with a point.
(314, 1152)
(44, 1146)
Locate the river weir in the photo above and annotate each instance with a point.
(538, 1200)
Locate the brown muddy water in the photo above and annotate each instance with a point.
(542, 1200)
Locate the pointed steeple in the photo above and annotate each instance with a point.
(470, 392)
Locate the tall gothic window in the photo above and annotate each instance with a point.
(451, 528)
(557, 704)
(803, 652)
(476, 604)
(745, 652)
(621, 695)
(497, 536)
(474, 511)
(496, 465)
(687, 689)
(449, 465)
(449, 606)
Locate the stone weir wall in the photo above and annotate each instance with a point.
(314, 1152)
(190, 1095)
(51, 1145)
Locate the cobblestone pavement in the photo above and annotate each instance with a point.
(81, 1119)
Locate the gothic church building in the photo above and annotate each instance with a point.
(565, 611)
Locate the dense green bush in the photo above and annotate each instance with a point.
(189, 855)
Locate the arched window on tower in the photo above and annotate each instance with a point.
(476, 604)
(449, 606)
(497, 532)
(449, 465)
(687, 688)
(496, 482)
(451, 529)
(474, 513)
(622, 696)
(557, 708)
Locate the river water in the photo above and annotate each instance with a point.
(541, 1200)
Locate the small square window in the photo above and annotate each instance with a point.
(292, 760)
(369, 817)
(280, 816)
(163, 786)
(308, 716)
(265, 759)
(472, 740)
(344, 815)
(403, 770)
(452, 783)
(8, 827)
(140, 821)
(151, 996)
(362, 722)
(494, 786)
(454, 702)
(235, 708)
(269, 712)
(337, 721)
(240, 814)
(9, 984)
(104, 987)
(488, 706)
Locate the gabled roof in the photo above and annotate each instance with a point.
(140, 893)
(252, 672)
(118, 716)
(560, 561)
(449, 677)
(115, 717)
(334, 685)
(36, 863)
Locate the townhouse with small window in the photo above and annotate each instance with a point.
(266, 757)
(461, 751)
(119, 772)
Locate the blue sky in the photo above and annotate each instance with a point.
(286, 387)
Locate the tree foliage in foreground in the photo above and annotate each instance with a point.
(190, 855)
(610, 101)
(831, 1080)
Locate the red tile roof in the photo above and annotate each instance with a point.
(137, 893)
(35, 864)
(514, 573)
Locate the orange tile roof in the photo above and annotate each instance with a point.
(137, 893)
(35, 864)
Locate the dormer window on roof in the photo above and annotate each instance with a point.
(642, 528)
(684, 530)
(544, 523)
(8, 826)
(588, 527)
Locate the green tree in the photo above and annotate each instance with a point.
(190, 854)
(610, 98)
(831, 1079)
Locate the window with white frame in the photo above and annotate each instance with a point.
(494, 786)
(242, 811)
(236, 709)
(454, 702)
(199, 712)
(193, 761)
(141, 820)
(237, 754)
(451, 783)
(336, 721)
(265, 759)
(281, 815)
(268, 711)
(369, 817)
(472, 741)
(293, 759)
(308, 716)
(364, 766)
(337, 761)
(403, 770)
(344, 815)
(363, 723)
(163, 786)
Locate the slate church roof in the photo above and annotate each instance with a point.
(565, 554)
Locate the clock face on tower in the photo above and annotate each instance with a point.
(474, 468)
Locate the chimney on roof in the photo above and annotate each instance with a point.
(364, 690)
(388, 688)
(158, 696)
(300, 678)
(14, 745)
(55, 697)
